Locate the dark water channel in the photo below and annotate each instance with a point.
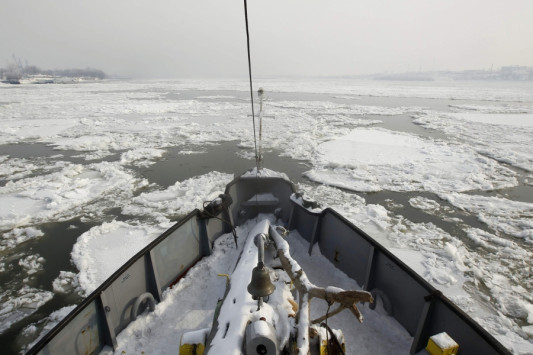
(221, 157)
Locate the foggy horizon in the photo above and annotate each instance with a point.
(187, 39)
(111, 75)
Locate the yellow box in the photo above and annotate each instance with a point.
(442, 344)
(193, 343)
(192, 349)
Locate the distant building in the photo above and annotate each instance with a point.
(11, 78)
(516, 72)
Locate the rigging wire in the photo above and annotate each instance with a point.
(251, 88)
(257, 157)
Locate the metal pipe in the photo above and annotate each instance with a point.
(260, 242)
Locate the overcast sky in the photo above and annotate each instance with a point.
(206, 38)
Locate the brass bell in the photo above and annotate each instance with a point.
(260, 286)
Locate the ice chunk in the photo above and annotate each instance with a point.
(424, 204)
(504, 137)
(66, 283)
(372, 159)
(103, 249)
(180, 198)
(32, 264)
(18, 236)
(62, 194)
(17, 305)
(263, 172)
(141, 156)
(45, 325)
(511, 217)
(516, 120)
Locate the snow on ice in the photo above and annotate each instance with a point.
(180, 198)
(514, 218)
(100, 251)
(67, 282)
(504, 137)
(374, 160)
(16, 305)
(488, 134)
(103, 249)
(141, 156)
(32, 264)
(45, 325)
(63, 194)
(18, 236)
(462, 270)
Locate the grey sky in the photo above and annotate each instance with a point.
(206, 38)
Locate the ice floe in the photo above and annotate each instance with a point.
(514, 218)
(264, 173)
(480, 269)
(504, 137)
(37, 330)
(424, 204)
(103, 249)
(100, 251)
(113, 119)
(16, 305)
(373, 160)
(492, 109)
(514, 120)
(66, 283)
(18, 236)
(454, 90)
(106, 117)
(489, 241)
(141, 156)
(434, 208)
(215, 97)
(16, 168)
(374, 219)
(45, 129)
(340, 112)
(63, 194)
(180, 198)
(32, 264)
(190, 152)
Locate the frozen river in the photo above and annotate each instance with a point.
(441, 173)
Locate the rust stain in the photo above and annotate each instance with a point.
(182, 274)
(87, 340)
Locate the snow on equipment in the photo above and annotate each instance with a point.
(257, 315)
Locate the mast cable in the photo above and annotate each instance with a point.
(251, 88)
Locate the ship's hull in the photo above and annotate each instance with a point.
(421, 309)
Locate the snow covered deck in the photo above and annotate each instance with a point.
(190, 304)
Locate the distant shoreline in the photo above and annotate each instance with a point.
(17, 73)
